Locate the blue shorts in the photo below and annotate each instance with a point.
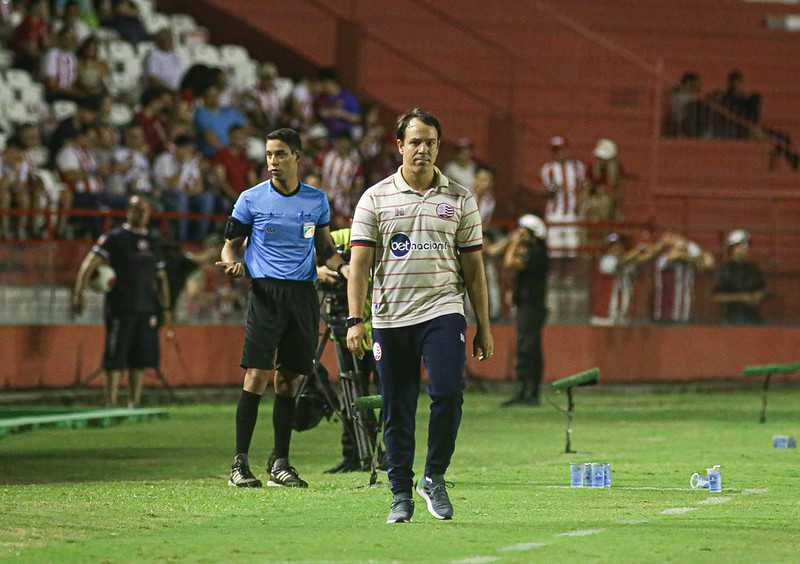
(439, 343)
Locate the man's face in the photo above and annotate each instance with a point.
(238, 138)
(484, 180)
(13, 156)
(88, 139)
(30, 136)
(134, 137)
(420, 147)
(281, 161)
(740, 251)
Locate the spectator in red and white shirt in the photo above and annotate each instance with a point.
(15, 176)
(177, 173)
(563, 180)
(263, 105)
(60, 69)
(78, 170)
(342, 178)
(233, 169)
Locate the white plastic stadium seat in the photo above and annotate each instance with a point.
(206, 54)
(33, 98)
(231, 55)
(244, 76)
(143, 48)
(284, 86)
(181, 23)
(18, 78)
(62, 109)
(106, 34)
(120, 114)
(121, 51)
(155, 21)
(17, 113)
(6, 59)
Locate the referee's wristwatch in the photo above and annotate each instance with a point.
(351, 321)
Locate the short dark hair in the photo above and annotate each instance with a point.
(234, 128)
(328, 73)
(14, 142)
(481, 167)
(151, 94)
(183, 141)
(288, 136)
(423, 116)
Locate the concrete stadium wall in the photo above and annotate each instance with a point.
(61, 356)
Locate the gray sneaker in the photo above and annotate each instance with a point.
(402, 509)
(433, 489)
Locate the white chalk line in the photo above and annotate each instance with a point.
(581, 533)
(523, 546)
(677, 510)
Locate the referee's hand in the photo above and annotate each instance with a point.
(232, 269)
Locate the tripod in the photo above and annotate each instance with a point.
(360, 426)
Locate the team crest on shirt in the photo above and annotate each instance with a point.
(376, 350)
(445, 211)
(399, 211)
(142, 245)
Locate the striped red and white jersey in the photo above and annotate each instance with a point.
(565, 180)
(61, 65)
(74, 157)
(673, 289)
(417, 238)
(339, 174)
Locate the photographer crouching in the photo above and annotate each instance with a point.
(360, 429)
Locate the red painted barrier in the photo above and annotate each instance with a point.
(208, 355)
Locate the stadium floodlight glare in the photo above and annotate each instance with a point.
(768, 370)
(586, 378)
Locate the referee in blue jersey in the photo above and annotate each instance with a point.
(284, 224)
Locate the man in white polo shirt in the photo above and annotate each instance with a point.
(422, 235)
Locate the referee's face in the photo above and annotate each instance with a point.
(281, 162)
(419, 148)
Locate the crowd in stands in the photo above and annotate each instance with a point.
(94, 107)
(731, 112)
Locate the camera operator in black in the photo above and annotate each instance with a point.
(334, 299)
(526, 255)
(137, 304)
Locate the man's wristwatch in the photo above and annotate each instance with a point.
(354, 321)
(340, 267)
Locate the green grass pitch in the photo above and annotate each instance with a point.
(156, 491)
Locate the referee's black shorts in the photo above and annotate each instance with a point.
(283, 317)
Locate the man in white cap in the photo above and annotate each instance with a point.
(526, 255)
(739, 282)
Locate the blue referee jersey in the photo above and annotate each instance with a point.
(282, 241)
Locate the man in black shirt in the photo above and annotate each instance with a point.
(139, 296)
(739, 282)
(526, 255)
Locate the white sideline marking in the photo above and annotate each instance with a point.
(477, 560)
(714, 500)
(632, 521)
(581, 533)
(678, 510)
(754, 491)
(522, 546)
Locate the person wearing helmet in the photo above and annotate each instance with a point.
(526, 255)
(739, 283)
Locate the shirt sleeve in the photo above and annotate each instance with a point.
(469, 236)
(364, 230)
(241, 210)
(325, 213)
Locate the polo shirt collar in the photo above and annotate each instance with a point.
(441, 181)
